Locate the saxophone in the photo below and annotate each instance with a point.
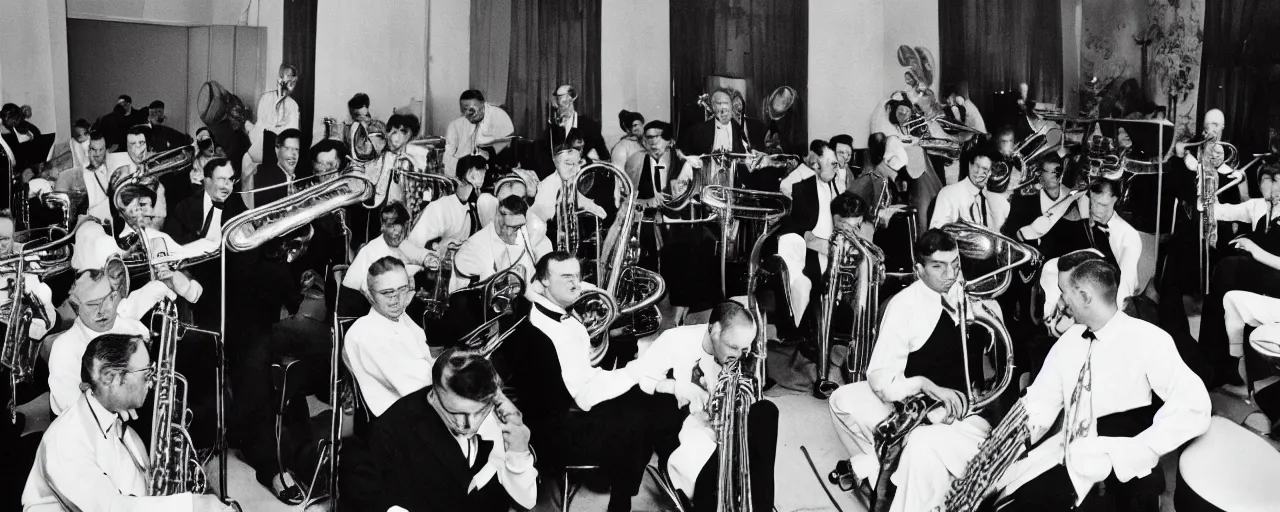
(174, 467)
(999, 451)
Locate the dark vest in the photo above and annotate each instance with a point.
(1268, 240)
(1074, 236)
(941, 358)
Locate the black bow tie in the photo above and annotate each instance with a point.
(554, 315)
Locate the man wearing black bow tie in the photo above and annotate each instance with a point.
(580, 414)
(201, 217)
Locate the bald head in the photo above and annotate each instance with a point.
(1213, 123)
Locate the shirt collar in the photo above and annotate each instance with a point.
(1110, 330)
(207, 203)
(970, 187)
(546, 307)
(106, 419)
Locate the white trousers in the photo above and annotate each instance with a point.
(792, 250)
(932, 457)
(1243, 309)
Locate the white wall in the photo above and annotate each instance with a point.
(385, 56)
(165, 12)
(33, 62)
(853, 62)
(450, 61)
(268, 14)
(635, 62)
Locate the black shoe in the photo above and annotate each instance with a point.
(291, 495)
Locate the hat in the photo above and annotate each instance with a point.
(93, 247)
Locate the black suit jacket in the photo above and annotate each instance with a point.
(699, 138)
(1023, 209)
(590, 131)
(804, 207)
(269, 175)
(408, 458)
(183, 224)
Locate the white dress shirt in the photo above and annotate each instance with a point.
(357, 277)
(485, 253)
(1131, 359)
(462, 136)
(724, 136)
(514, 470)
(443, 219)
(94, 183)
(908, 322)
(957, 202)
(380, 173)
(389, 359)
(679, 350)
(587, 384)
(1249, 211)
(68, 349)
(544, 203)
(90, 460)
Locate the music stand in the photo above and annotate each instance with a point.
(1151, 138)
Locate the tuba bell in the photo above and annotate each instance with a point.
(989, 258)
(500, 293)
(857, 271)
(636, 289)
(597, 311)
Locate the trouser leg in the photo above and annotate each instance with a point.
(856, 410)
(932, 456)
(762, 447)
(1052, 491)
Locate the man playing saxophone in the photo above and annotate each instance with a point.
(686, 362)
(918, 352)
(90, 458)
(1105, 374)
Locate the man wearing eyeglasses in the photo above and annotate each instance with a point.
(95, 299)
(90, 459)
(386, 352)
(394, 221)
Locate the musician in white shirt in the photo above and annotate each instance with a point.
(1105, 375)
(568, 160)
(137, 201)
(391, 243)
(453, 219)
(94, 179)
(95, 300)
(277, 112)
(401, 128)
(480, 124)
(513, 240)
(385, 351)
(694, 356)
(969, 199)
(89, 459)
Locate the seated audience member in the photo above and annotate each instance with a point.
(394, 217)
(385, 351)
(90, 458)
(686, 362)
(578, 413)
(456, 445)
(1106, 376)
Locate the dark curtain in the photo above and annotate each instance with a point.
(491, 48)
(765, 42)
(553, 43)
(300, 51)
(994, 45)
(1240, 51)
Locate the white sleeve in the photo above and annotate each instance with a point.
(388, 363)
(500, 125)
(430, 226)
(79, 483)
(1186, 410)
(544, 204)
(652, 368)
(518, 476)
(1227, 212)
(886, 370)
(64, 373)
(944, 211)
(1130, 251)
(1044, 396)
(357, 273)
(451, 137)
(140, 301)
(587, 384)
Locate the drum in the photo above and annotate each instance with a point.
(1229, 468)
